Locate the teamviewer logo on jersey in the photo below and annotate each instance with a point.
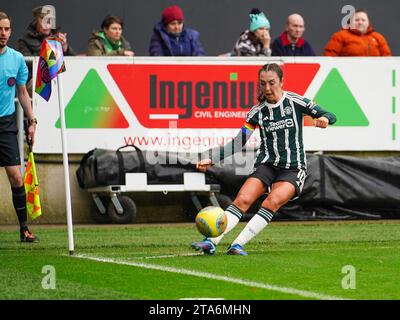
(280, 125)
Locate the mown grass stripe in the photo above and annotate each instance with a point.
(249, 283)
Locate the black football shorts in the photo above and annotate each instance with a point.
(269, 174)
(9, 151)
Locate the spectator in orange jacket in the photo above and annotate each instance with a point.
(361, 40)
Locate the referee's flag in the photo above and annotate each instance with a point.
(32, 188)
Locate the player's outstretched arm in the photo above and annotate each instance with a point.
(319, 114)
(217, 154)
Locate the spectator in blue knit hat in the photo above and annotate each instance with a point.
(256, 40)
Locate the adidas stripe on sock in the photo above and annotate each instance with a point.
(266, 214)
(256, 224)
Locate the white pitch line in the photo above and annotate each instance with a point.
(171, 256)
(302, 293)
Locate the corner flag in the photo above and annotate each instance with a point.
(51, 63)
(32, 188)
(50, 66)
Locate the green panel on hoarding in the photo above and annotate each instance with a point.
(335, 96)
(93, 107)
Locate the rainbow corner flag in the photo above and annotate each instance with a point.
(32, 189)
(51, 63)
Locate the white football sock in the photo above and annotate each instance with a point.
(256, 224)
(233, 216)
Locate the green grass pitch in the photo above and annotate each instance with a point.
(296, 260)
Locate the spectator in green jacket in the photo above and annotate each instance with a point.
(109, 41)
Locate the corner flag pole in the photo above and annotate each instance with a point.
(65, 165)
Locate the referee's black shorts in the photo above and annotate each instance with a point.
(269, 174)
(9, 151)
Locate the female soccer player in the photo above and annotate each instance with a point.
(280, 167)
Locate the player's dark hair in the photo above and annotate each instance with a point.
(109, 20)
(272, 67)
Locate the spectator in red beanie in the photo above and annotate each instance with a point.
(171, 38)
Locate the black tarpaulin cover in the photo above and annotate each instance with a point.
(336, 187)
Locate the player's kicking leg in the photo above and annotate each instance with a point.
(251, 190)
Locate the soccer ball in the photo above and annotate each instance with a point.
(211, 221)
